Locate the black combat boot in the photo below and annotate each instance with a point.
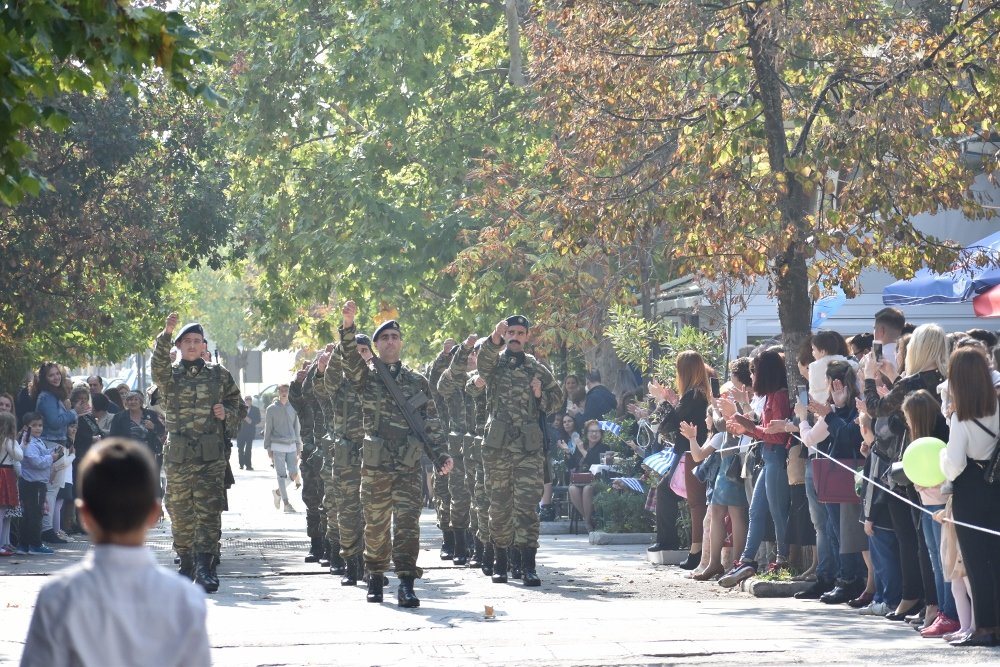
(448, 544)
(461, 553)
(187, 566)
(528, 574)
(324, 556)
(337, 564)
(405, 597)
(515, 562)
(203, 573)
(476, 561)
(489, 555)
(353, 570)
(375, 587)
(499, 565)
(315, 550)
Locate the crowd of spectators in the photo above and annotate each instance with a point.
(45, 430)
(810, 485)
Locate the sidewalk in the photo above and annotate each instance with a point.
(598, 605)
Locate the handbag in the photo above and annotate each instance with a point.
(707, 470)
(991, 471)
(834, 483)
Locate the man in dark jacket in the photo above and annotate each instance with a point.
(247, 432)
(600, 400)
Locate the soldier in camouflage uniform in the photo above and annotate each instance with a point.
(475, 389)
(461, 435)
(345, 433)
(391, 484)
(518, 386)
(311, 462)
(442, 485)
(203, 409)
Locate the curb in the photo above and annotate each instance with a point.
(773, 589)
(598, 537)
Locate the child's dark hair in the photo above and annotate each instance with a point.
(117, 481)
(29, 417)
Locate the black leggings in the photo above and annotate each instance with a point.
(977, 503)
(909, 548)
(32, 502)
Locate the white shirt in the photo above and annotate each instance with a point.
(967, 441)
(118, 608)
(819, 385)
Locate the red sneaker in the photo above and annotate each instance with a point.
(941, 626)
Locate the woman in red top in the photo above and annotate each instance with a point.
(770, 493)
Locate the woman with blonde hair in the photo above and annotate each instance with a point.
(688, 404)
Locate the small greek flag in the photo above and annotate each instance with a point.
(632, 483)
(661, 462)
(610, 427)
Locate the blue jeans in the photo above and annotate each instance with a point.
(885, 561)
(932, 536)
(770, 496)
(826, 555)
(850, 567)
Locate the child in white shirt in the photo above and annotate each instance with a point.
(118, 607)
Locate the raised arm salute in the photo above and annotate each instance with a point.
(392, 487)
(203, 409)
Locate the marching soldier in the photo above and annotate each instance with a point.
(475, 389)
(442, 483)
(311, 420)
(345, 433)
(518, 387)
(203, 409)
(461, 416)
(396, 400)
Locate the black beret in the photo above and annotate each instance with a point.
(518, 321)
(385, 326)
(362, 339)
(193, 327)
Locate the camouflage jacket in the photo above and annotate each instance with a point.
(389, 442)
(451, 387)
(478, 396)
(341, 405)
(311, 418)
(187, 394)
(513, 410)
(434, 372)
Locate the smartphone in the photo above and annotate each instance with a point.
(877, 349)
(803, 394)
(715, 388)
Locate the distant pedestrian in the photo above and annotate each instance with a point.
(283, 442)
(247, 433)
(118, 607)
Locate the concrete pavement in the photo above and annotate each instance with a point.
(598, 605)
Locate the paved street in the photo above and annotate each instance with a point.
(598, 605)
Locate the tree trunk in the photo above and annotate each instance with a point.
(514, 44)
(615, 375)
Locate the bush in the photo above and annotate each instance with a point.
(621, 511)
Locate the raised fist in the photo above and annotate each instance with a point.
(500, 330)
(449, 344)
(349, 312)
(323, 361)
(471, 340)
(171, 323)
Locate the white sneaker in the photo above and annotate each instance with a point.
(289, 509)
(875, 609)
(277, 499)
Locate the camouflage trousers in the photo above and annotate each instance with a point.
(514, 485)
(442, 501)
(195, 494)
(391, 501)
(342, 475)
(480, 499)
(311, 467)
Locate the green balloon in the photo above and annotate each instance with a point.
(922, 461)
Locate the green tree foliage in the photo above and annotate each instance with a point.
(53, 48)
(791, 140)
(354, 127)
(636, 339)
(136, 194)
